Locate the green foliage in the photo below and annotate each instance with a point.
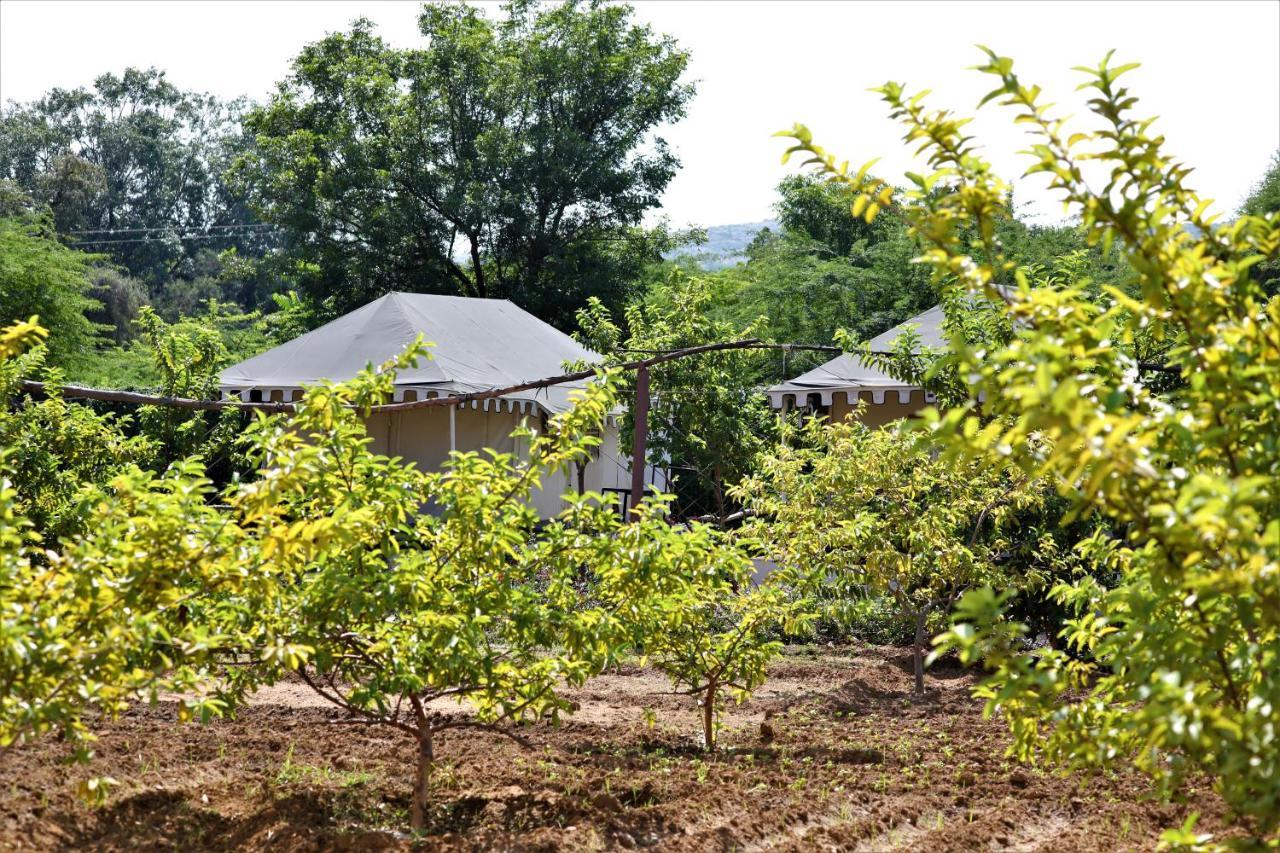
(59, 451)
(348, 550)
(1265, 199)
(970, 321)
(137, 162)
(818, 211)
(41, 277)
(90, 626)
(718, 637)
(499, 160)
(188, 356)
(702, 621)
(1178, 668)
(219, 335)
(824, 272)
(846, 510)
(872, 618)
(707, 420)
(401, 616)
(90, 620)
(121, 297)
(293, 316)
(325, 564)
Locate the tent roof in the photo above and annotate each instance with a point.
(478, 344)
(850, 371)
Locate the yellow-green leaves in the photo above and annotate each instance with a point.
(873, 195)
(849, 509)
(1180, 456)
(688, 601)
(19, 336)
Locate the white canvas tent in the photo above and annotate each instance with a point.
(839, 384)
(479, 344)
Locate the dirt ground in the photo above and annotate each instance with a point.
(831, 754)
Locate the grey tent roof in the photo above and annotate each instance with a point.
(478, 344)
(850, 371)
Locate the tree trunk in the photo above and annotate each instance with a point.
(718, 484)
(709, 716)
(477, 271)
(921, 615)
(422, 782)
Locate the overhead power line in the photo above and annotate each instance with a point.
(164, 228)
(166, 239)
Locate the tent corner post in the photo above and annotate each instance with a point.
(640, 421)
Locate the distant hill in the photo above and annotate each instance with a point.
(726, 245)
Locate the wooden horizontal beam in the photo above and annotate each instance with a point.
(138, 399)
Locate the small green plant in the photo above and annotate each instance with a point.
(286, 771)
(1186, 838)
(705, 623)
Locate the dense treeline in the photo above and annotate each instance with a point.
(134, 168)
(509, 157)
(512, 157)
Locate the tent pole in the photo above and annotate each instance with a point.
(640, 419)
(453, 428)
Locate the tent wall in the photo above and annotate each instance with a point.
(422, 436)
(876, 414)
(608, 471)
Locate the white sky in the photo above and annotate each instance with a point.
(1211, 71)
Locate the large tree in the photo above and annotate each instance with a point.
(501, 159)
(822, 271)
(39, 277)
(133, 168)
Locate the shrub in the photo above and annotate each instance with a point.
(850, 510)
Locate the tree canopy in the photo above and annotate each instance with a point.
(1264, 198)
(41, 277)
(499, 160)
(132, 167)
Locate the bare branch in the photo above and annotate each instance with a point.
(488, 727)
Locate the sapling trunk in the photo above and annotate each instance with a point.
(422, 782)
(709, 716)
(921, 616)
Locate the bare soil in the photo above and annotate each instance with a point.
(832, 753)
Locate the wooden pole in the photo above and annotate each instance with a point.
(640, 420)
(136, 399)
